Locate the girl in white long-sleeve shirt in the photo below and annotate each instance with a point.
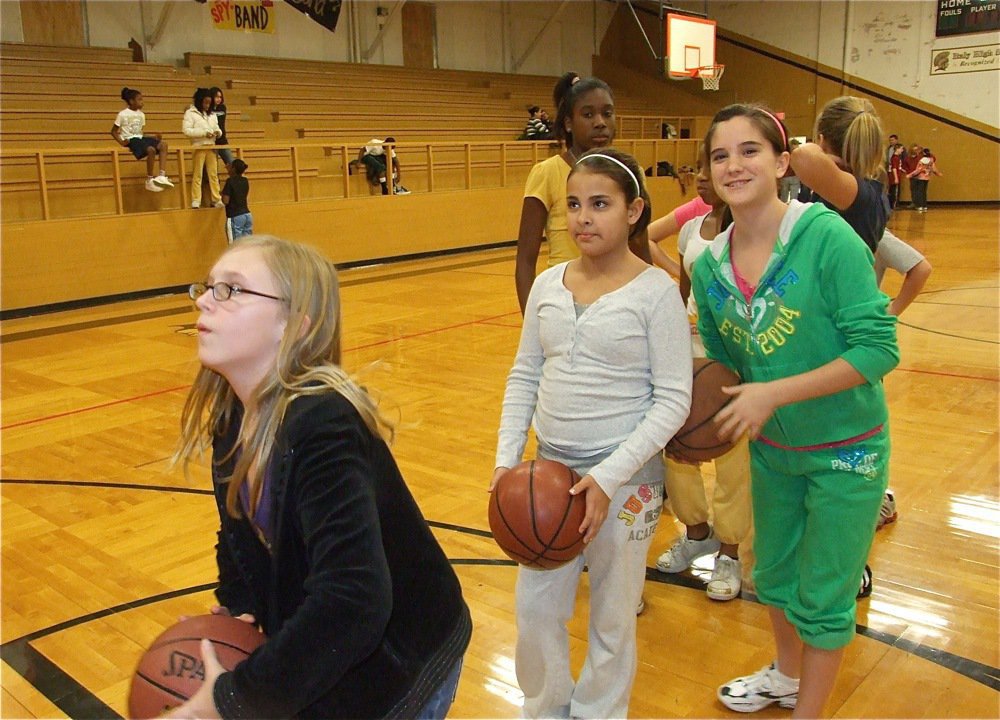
(201, 125)
(604, 368)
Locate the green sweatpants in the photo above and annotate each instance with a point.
(815, 515)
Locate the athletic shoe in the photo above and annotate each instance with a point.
(685, 551)
(218, 203)
(163, 181)
(400, 190)
(727, 577)
(887, 513)
(152, 187)
(195, 205)
(866, 583)
(767, 686)
(640, 608)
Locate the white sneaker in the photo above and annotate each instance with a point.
(641, 607)
(218, 203)
(685, 551)
(152, 187)
(727, 578)
(163, 181)
(887, 513)
(195, 205)
(751, 693)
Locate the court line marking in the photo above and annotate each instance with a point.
(400, 338)
(144, 396)
(951, 335)
(57, 686)
(99, 406)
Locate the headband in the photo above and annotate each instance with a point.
(781, 128)
(638, 192)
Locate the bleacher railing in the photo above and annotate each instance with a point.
(280, 172)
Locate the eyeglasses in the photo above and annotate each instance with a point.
(222, 291)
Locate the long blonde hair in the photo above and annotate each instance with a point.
(852, 130)
(308, 363)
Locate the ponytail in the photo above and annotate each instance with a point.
(852, 130)
(862, 149)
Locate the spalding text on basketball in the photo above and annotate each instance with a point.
(185, 666)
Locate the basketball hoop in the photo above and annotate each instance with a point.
(710, 76)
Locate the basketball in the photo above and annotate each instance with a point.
(533, 517)
(697, 438)
(172, 670)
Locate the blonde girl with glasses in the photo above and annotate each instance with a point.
(320, 544)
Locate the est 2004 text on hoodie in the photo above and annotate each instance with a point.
(817, 300)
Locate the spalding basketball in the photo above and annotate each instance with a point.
(697, 438)
(172, 669)
(533, 517)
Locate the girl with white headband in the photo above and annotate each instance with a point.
(604, 368)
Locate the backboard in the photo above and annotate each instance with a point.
(690, 45)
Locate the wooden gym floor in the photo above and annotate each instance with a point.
(104, 545)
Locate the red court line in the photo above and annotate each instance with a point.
(185, 387)
(95, 407)
(482, 321)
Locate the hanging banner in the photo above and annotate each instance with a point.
(325, 12)
(961, 17)
(243, 15)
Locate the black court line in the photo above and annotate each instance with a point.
(89, 324)
(182, 289)
(152, 314)
(945, 334)
(960, 288)
(52, 682)
(110, 485)
(58, 687)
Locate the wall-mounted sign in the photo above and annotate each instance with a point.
(961, 17)
(965, 59)
(243, 15)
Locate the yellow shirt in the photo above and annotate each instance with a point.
(547, 182)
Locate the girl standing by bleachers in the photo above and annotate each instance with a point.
(201, 125)
(585, 120)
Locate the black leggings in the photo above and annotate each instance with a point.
(918, 191)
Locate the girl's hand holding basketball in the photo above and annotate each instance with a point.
(597, 506)
(245, 617)
(753, 405)
(201, 705)
(497, 474)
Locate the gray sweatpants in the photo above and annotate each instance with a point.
(545, 599)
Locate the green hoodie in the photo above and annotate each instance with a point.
(817, 301)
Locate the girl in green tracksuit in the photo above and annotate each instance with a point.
(787, 298)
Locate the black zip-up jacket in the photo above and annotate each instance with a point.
(363, 613)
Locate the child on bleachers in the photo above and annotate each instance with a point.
(373, 156)
(201, 125)
(127, 132)
(239, 221)
(219, 108)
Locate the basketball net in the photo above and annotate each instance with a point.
(710, 76)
